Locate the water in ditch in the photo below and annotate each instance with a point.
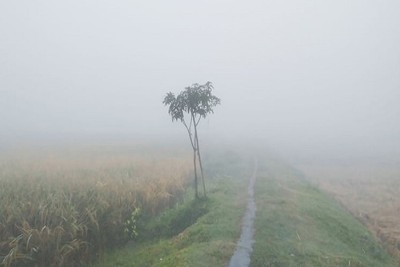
(244, 247)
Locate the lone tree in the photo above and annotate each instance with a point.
(192, 104)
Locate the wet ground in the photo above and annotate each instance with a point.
(244, 247)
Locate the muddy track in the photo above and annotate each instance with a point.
(244, 247)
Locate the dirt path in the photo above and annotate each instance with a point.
(244, 247)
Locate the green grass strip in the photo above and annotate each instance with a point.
(297, 225)
(209, 240)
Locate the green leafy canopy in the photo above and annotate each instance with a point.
(195, 100)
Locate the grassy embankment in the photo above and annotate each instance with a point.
(196, 233)
(297, 225)
(369, 189)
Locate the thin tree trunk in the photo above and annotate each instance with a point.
(196, 140)
(195, 174)
(194, 144)
(201, 166)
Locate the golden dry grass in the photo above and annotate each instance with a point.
(62, 207)
(370, 191)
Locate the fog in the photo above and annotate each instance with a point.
(302, 77)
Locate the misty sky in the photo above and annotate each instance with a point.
(323, 73)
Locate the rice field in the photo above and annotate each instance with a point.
(65, 207)
(370, 191)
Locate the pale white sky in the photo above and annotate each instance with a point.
(293, 73)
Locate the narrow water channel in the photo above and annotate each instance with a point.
(244, 247)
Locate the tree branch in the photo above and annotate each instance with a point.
(197, 123)
(189, 133)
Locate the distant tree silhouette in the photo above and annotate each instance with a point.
(189, 107)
